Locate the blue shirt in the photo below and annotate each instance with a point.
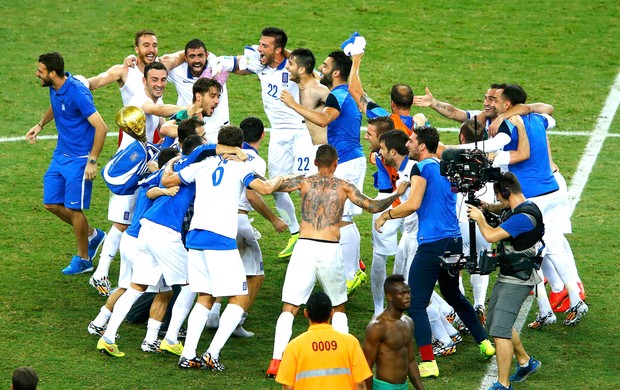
(534, 174)
(344, 132)
(143, 203)
(72, 105)
(518, 224)
(437, 212)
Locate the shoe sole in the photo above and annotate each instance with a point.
(528, 374)
(79, 273)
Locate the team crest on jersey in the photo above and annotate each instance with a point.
(284, 77)
(134, 157)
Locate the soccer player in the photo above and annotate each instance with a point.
(322, 357)
(215, 266)
(290, 146)
(121, 207)
(67, 184)
(317, 254)
(312, 93)
(343, 121)
(438, 234)
(25, 378)
(389, 340)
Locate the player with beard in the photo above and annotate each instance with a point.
(67, 184)
(343, 121)
(290, 146)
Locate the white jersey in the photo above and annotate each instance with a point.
(219, 184)
(152, 121)
(183, 80)
(273, 81)
(258, 165)
(410, 224)
(133, 85)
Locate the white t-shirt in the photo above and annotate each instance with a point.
(152, 121)
(258, 165)
(410, 223)
(273, 81)
(183, 80)
(133, 85)
(219, 184)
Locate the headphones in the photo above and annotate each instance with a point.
(503, 189)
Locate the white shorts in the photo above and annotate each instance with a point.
(248, 247)
(353, 171)
(567, 227)
(386, 242)
(130, 252)
(551, 207)
(165, 256)
(217, 273)
(407, 247)
(312, 260)
(290, 152)
(121, 208)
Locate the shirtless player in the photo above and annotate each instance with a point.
(389, 341)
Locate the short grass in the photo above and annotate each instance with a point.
(565, 54)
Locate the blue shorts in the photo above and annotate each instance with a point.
(64, 182)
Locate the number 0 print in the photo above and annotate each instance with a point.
(217, 176)
(324, 345)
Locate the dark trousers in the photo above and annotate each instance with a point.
(425, 271)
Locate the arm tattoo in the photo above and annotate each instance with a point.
(443, 106)
(371, 205)
(290, 184)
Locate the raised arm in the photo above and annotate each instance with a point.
(116, 73)
(355, 84)
(173, 60)
(445, 109)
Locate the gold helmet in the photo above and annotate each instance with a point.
(132, 121)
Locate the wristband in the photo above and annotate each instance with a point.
(390, 213)
(40, 125)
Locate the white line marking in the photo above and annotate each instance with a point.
(446, 129)
(580, 178)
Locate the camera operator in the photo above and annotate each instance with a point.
(438, 235)
(519, 239)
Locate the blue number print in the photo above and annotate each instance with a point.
(301, 161)
(217, 176)
(273, 91)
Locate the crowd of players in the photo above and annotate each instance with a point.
(187, 225)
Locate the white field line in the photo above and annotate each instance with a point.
(580, 178)
(447, 129)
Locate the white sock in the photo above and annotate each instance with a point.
(195, 324)
(377, 278)
(214, 316)
(450, 329)
(121, 308)
(103, 317)
(552, 276)
(570, 258)
(228, 322)
(109, 249)
(340, 322)
(439, 332)
(284, 331)
(461, 287)
(544, 306)
(286, 209)
(180, 310)
(479, 284)
(152, 330)
(349, 245)
(92, 235)
(240, 331)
